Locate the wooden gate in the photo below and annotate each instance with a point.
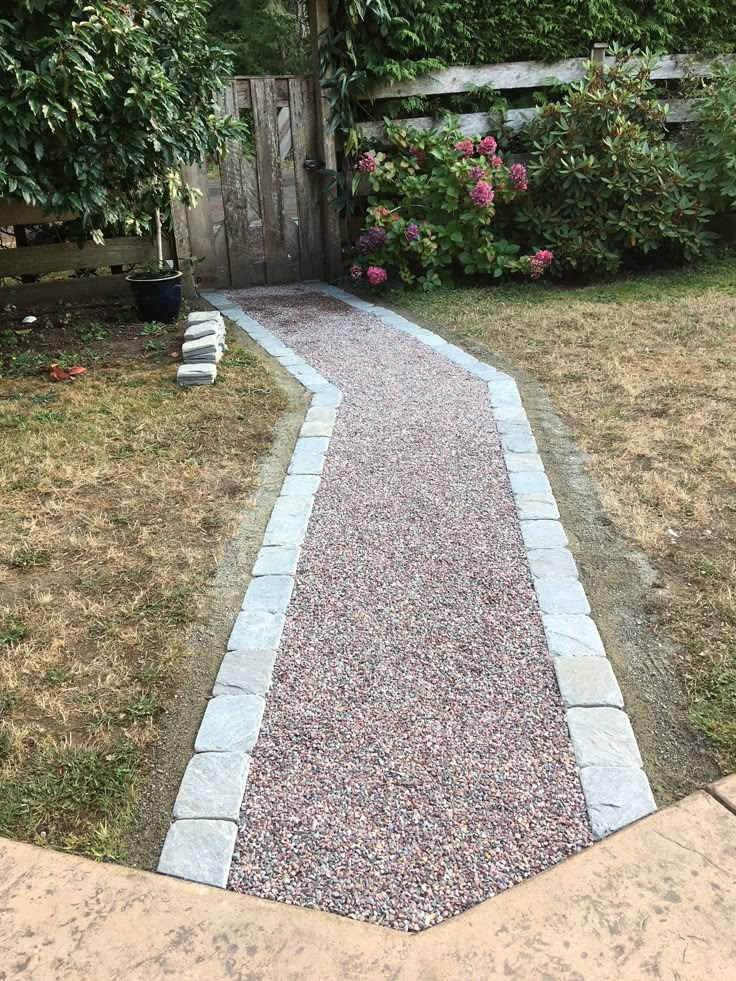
(273, 222)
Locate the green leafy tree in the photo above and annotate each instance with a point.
(101, 102)
(267, 37)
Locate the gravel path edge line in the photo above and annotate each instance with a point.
(615, 786)
(201, 838)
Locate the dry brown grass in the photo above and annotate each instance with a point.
(644, 373)
(118, 493)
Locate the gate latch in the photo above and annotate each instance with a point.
(310, 164)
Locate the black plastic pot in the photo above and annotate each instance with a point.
(157, 298)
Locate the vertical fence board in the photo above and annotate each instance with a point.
(239, 189)
(319, 20)
(182, 247)
(280, 266)
(301, 100)
(201, 231)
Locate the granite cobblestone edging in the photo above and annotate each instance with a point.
(201, 839)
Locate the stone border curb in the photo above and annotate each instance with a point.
(200, 842)
(615, 786)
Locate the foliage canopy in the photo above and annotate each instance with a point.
(100, 102)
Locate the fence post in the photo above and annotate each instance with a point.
(319, 21)
(598, 53)
(182, 247)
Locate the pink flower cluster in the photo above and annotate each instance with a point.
(356, 272)
(518, 176)
(478, 173)
(465, 147)
(487, 146)
(496, 162)
(376, 275)
(539, 263)
(367, 163)
(412, 232)
(482, 194)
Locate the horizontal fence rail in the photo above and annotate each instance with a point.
(529, 75)
(515, 120)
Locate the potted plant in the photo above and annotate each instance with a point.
(156, 287)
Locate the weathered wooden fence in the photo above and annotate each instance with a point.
(521, 75)
(28, 261)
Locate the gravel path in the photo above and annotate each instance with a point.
(414, 758)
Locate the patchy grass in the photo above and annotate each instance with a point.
(644, 369)
(119, 491)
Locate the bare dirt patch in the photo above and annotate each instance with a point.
(119, 493)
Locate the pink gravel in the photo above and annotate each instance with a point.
(414, 758)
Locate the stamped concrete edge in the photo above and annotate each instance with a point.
(615, 786)
(201, 838)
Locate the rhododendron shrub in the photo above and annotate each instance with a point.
(434, 207)
(605, 186)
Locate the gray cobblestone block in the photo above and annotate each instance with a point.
(523, 463)
(300, 484)
(286, 529)
(274, 348)
(552, 563)
(270, 594)
(311, 444)
(290, 360)
(536, 507)
(205, 328)
(231, 724)
(602, 737)
(392, 319)
(428, 338)
(456, 354)
(587, 682)
(328, 396)
(212, 787)
(508, 416)
(572, 635)
(200, 851)
(296, 505)
(561, 596)
(481, 370)
(519, 442)
(245, 672)
(203, 316)
(256, 630)
(504, 395)
(277, 560)
(615, 796)
(530, 483)
(307, 375)
(319, 422)
(308, 457)
(543, 534)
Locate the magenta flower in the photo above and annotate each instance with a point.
(376, 275)
(496, 162)
(377, 237)
(478, 173)
(367, 163)
(356, 272)
(539, 263)
(518, 176)
(482, 194)
(465, 147)
(412, 232)
(487, 146)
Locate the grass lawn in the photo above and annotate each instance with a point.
(118, 493)
(644, 371)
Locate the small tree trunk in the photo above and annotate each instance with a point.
(159, 243)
